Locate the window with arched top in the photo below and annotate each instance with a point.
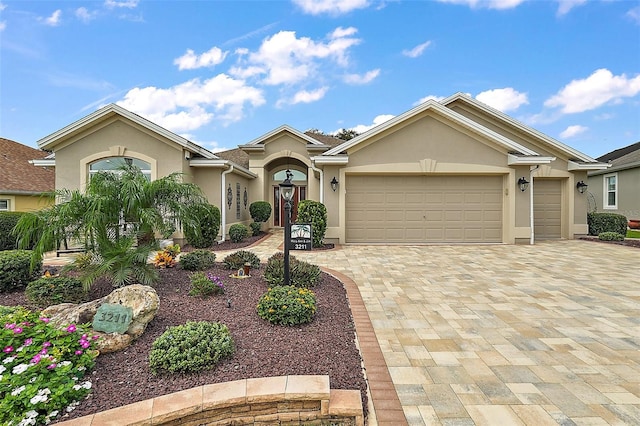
(114, 164)
(282, 175)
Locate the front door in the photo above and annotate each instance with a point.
(299, 194)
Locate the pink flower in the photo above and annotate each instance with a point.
(46, 344)
(28, 342)
(51, 366)
(36, 359)
(10, 326)
(96, 337)
(8, 349)
(17, 330)
(85, 344)
(43, 352)
(78, 352)
(45, 319)
(71, 328)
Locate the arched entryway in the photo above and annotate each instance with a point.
(277, 175)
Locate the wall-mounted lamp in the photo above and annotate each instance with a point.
(334, 184)
(523, 184)
(581, 186)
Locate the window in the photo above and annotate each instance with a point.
(113, 164)
(610, 191)
(4, 205)
(282, 175)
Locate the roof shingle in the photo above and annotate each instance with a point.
(19, 176)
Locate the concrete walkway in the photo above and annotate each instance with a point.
(500, 334)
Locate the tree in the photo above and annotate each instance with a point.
(117, 217)
(346, 134)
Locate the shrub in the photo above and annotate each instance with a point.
(167, 257)
(256, 227)
(15, 269)
(287, 305)
(606, 222)
(45, 292)
(239, 258)
(8, 220)
(315, 213)
(260, 211)
(302, 274)
(191, 347)
(610, 236)
(238, 232)
(205, 285)
(45, 368)
(197, 260)
(86, 260)
(204, 231)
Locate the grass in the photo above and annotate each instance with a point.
(631, 233)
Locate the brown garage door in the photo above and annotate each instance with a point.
(417, 209)
(547, 209)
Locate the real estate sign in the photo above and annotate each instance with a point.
(301, 237)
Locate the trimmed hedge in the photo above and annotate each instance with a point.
(15, 269)
(45, 292)
(260, 211)
(205, 231)
(8, 221)
(315, 213)
(238, 232)
(606, 222)
(610, 236)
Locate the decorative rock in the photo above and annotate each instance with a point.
(143, 301)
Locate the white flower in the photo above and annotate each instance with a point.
(41, 396)
(82, 368)
(8, 360)
(20, 368)
(20, 349)
(72, 406)
(33, 379)
(3, 368)
(17, 390)
(64, 363)
(87, 385)
(52, 414)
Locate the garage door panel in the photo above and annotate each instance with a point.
(547, 208)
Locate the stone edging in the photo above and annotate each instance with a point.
(281, 400)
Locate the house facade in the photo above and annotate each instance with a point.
(617, 189)
(443, 172)
(23, 184)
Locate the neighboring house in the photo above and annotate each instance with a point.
(617, 189)
(23, 184)
(443, 172)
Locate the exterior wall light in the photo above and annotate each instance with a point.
(523, 184)
(334, 184)
(582, 187)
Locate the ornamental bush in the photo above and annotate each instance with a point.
(287, 305)
(610, 236)
(43, 368)
(302, 274)
(238, 232)
(49, 291)
(197, 260)
(205, 284)
(237, 259)
(606, 222)
(260, 211)
(8, 221)
(191, 347)
(15, 269)
(204, 231)
(315, 213)
(256, 227)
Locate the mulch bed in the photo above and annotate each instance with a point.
(629, 242)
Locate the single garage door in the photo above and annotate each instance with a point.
(418, 209)
(547, 209)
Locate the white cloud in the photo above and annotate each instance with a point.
(127, 4)
(565, 6)
(3, 25)
(634, 14)
(54, 19)
(428, 98)
(306, 97)
(573, 131)
(507, 99)
(83, 14)
(365, 78)
(488, 4)
(598, 89)
(417, 51)
(331, 7)
(192, 104)
(2, 6)
(361, 128)
(190, 60)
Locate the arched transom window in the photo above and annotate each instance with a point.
(282, 175)
(114, 164)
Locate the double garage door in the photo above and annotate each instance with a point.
(423, 209)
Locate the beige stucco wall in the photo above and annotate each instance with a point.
(26, 203)
(628, 192)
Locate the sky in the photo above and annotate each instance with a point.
(222, 73)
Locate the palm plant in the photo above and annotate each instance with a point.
(117, 217)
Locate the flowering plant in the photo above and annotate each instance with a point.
(205, 285)
(41, 368)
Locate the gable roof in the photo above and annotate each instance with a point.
(19, 175)
(258, 143)
(616, 154)
(621, 159)
(109, 111)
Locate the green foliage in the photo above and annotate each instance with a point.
(287, 305)
(237, 259)
(203, 231)
(260, 211)
(15, 269)
(346, 134)
(256, 227)
(8, 240)
(238, 232)
(315, 213)
(197, 260)
(610, 236)
(191, 347)
(302, 274)
(85, 260)
(606, 222)
(43, 369)
(45, 291)
(205, 285)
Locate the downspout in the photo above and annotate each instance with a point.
(223, 204)
(531, 170)
(314, 168)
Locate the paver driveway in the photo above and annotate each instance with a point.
(502, 334)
